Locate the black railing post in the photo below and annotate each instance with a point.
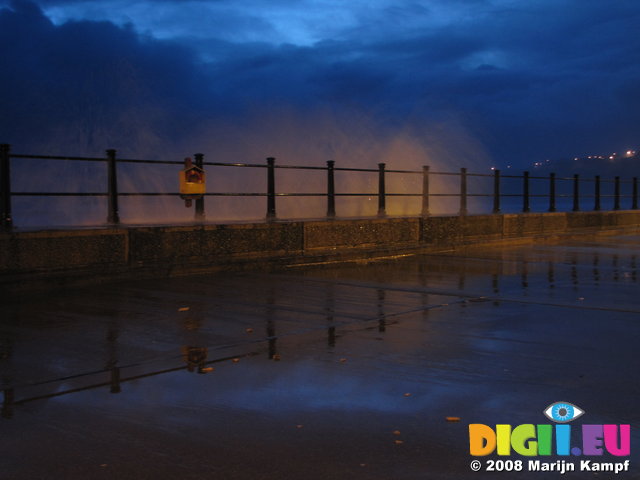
(496, 191)
(425, 190)
(331, 189)
(616, 194)
(113, 216)
(7, 402)
(525, 193)
(382, 202)
(271, 188)
(115, 380)
(463, 191)
(597, 205)
(6, 222)
(576, 193)
(199, 214)
(634, 199)
(552, 192)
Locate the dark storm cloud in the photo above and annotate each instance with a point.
(89, 82)
(531, 79)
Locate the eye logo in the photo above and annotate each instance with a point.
(563, 412)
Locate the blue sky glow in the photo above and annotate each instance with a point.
(531, 80)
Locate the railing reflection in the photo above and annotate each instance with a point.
(330, 311)
(498, 278)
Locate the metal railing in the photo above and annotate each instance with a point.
(497, 196)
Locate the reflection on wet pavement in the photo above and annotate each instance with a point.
(334, 371)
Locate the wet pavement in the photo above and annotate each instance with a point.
(345, 371)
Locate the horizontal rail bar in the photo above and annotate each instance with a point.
(59, 194)
(488, 175)
(453, 174)
(411, 172)
(301, 167)
(55, 157)
(299, 194)
(347, 169)
(223, 164)
(157, 162)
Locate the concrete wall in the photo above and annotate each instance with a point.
(128, 252)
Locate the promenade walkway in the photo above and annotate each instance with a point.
(369, 370)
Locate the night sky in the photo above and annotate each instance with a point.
(462, 82)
